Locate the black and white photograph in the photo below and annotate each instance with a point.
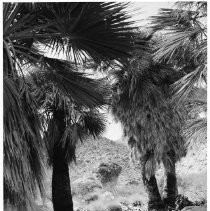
(104, 106)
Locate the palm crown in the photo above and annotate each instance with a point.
(184, 46)
(82, 118)
(141, 102)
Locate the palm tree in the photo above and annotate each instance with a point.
(76, 31)
(141, 98)
(184, 46)
(86, 123)
(67, 121)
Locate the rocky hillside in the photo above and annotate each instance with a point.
(191, 174)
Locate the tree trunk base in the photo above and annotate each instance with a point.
(61, 193)
(157, 207)
(61, 188)
(170, 183)
(63, 208)
(155, 202)
(169, 194)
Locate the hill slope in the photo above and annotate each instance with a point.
(191, 171)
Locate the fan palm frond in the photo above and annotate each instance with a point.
(194, 130)
(74, 85)
(184, 86)
(22, 145)
(184, 40)
(196, 125)
(171, 19)
(198, 96)
(79, 30)
(94, 123)
(184, 34)
(79, 126)
(198, 6)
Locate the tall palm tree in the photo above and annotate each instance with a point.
(184, 46)
(141, 98)
(76, 31)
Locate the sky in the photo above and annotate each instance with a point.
(145, 10)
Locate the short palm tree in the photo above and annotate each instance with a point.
(77, 127)
(141, 99)
(67, 121)
(76, 31)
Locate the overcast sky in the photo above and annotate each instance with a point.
(144, 11)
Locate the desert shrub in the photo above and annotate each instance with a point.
(182, 201)
(107, 172)
(136, 204)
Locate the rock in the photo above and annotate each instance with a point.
(114, 207)
(195, 208)
(107, 173)
(84, 186)
(91, 198)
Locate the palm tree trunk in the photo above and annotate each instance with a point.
(155, 202)
(170, 182)
(61, 189)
